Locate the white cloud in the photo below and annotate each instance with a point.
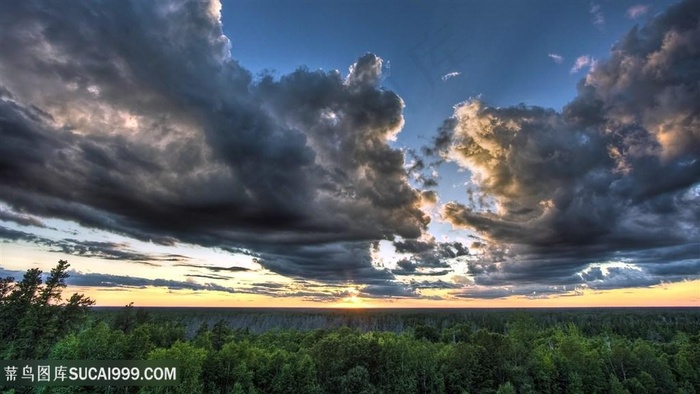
(581, 62)
(638, 10)
(557, 58)
(451, 75)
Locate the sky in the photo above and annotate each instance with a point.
(354, 153)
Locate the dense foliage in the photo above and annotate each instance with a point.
(523, 356)
(33, 315)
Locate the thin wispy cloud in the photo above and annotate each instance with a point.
(597, 15)
(451, 75)
(557, 58)
(638, 10)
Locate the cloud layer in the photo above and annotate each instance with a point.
(615, 177)
(133, 117)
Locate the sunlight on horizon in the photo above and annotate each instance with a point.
(681, 294)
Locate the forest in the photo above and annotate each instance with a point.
(491, 351)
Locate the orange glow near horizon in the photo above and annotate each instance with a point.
(681, 294)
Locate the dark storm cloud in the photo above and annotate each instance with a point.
(133, 118)
(650, 83)
(214, 268)
(111, 251)
(91, 249)
(406, 267)
(625, 277)
(529, 291)
(388, 290)
(215, 277)
(428, 284)
(428, 258)
(337, 262)
(593, 274)
(409, 267)
(16, 235)
(614, 177)
(106, 280)
(679, 269)
(568, 269)
(413, 246)
(22, 220)
(119, 281)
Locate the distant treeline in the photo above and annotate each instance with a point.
(542, 351)
(651, 323)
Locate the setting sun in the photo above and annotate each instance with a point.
(352, 300)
